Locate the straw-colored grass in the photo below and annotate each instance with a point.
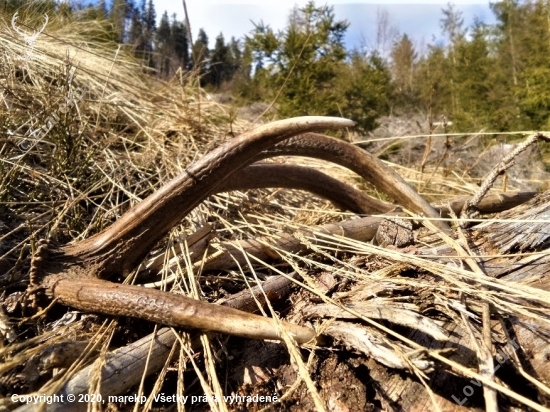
(130, 134)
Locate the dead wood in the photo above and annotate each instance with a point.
(383, 309)
(529, 337)
(501, 167)
(526, 230)
(233, 254)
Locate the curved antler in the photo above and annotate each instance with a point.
(119, 248)
(289, 176)
(70, 273)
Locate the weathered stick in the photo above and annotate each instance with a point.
(507, 162)
(363, 229)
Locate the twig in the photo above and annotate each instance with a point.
(469, 211)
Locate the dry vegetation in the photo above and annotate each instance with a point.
(404, 328)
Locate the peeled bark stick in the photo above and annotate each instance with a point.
(288, 176)
(363, 229)
(361, 162)
(276, 288)
(492, 203)
(505, 163)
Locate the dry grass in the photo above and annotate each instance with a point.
(130, 134)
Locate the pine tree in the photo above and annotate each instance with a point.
(473, 67)
(235, 57)
(452, 25)
(532, 90)
(149, 17)
(435, 91)
(102, 9)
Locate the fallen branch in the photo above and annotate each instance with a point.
(470, 207)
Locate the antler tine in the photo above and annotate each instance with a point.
(264, 175)
(68, 274)
(363, 163)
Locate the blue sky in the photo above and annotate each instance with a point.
(234, 18)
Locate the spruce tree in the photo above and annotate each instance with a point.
(303, 61)
(149, 26)
(117, 15)
(163, 44)
(201, 56)
(403, 63)
(220, 65)
(180, 43)
(136, 33)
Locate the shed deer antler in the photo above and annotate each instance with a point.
(74, 274)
